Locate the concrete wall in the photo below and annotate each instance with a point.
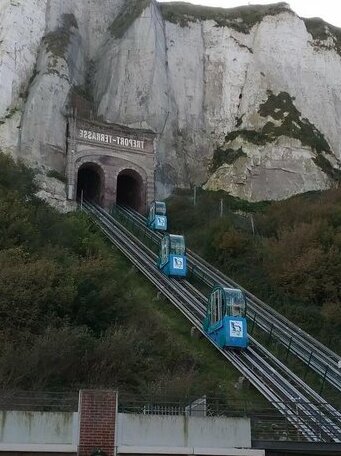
(38, 430)
(181, 431)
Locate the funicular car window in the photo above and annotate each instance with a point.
(160, 208)
(177, 245)
(235, 302)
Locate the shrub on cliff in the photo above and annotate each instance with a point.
(75, 313)
(291, 259)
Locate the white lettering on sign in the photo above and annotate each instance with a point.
(109, 139)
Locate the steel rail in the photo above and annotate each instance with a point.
(312, 352)
(142, 220)
(278, 366)
(107, 216)
(273, 366)
(314, 396)
(281, 389)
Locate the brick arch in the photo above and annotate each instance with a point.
(131, 187)
(128, 165)
(93, 164)
(91, 159)
(113, 148)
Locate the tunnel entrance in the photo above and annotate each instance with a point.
(130, 191)
(89, 183)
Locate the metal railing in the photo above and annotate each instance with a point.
(302, 345)
(275, 383)
(266, 422)
(38, 401)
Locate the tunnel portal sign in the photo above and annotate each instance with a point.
(121, 141)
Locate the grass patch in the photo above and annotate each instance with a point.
(131, 11)
(241, 19)
(321, 31)
(57, 175)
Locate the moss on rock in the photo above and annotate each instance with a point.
(287, 121)
(130, 12)
(57, 42)
(57, 175)
(321, 31)
(281, 108)
(242, 18)
(228, 156)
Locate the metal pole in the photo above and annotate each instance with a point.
(195, 195)
(252, 224)
(324, 379)
(82, 199)
(221, 208)
(270, 334)
(288, 350)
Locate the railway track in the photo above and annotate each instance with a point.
(310, 414)
(312, 352)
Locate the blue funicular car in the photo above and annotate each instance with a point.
(225, 320)
(157, 218)
(172, 258)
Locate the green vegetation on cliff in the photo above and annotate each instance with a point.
(292, 260)
(228, 156)
(287, 121)
(57, 42)
(242, 18)
(131, 10)
(321, 32)
(75, 313)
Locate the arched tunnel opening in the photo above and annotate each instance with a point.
(89, 183)
(130, 190)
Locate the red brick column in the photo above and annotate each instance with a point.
(97, 418)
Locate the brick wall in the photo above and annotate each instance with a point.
(97, 411)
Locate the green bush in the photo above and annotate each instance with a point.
(75, 313)
(292, 258)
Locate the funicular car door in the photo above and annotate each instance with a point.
(215, 311)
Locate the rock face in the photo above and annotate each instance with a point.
(247, 100)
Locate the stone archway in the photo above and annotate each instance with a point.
(130, 190)
(103, 159)
(90, 182)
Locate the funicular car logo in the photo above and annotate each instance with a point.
(178, 263)
(236, 328)
(160, 221)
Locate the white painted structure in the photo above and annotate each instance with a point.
(58, 432)
(153, 434)
(39, 431)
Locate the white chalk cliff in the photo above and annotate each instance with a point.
(245, 100)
